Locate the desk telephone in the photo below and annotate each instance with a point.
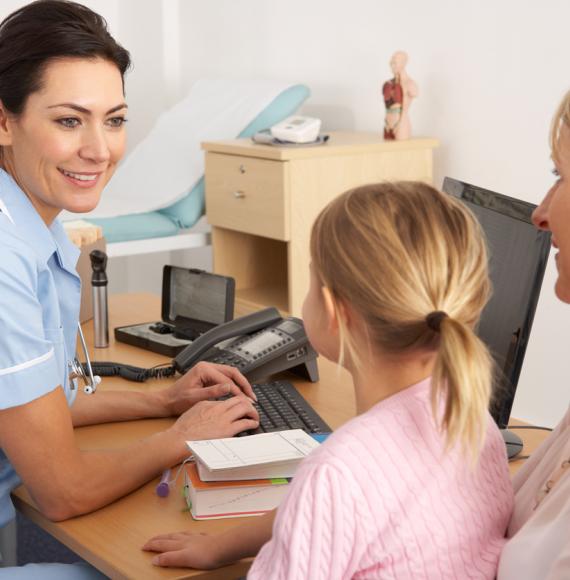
(259, 345)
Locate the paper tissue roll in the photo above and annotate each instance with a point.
(87, 237)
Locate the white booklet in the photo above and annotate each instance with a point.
(266, 455)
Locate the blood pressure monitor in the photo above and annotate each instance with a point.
(297, 129)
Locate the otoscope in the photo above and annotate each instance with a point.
(99, 288)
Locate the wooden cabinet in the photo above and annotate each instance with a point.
(261, 202)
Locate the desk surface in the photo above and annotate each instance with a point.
(111, 537)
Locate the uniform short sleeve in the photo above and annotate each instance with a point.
(315, 534)
(28, 365)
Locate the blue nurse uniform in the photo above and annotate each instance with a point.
(39, 313)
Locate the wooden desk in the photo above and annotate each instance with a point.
(111, 537)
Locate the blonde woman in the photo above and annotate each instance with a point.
(540, 544)
(416, 486)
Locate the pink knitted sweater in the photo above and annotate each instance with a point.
(381, 499)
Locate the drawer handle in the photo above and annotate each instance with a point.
(242, 168)
(238, 194)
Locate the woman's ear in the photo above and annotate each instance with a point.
(5, 126)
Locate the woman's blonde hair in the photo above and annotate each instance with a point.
(398, 253)
(561, 117)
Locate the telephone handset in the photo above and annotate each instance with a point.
(244, 325)
(258, 345)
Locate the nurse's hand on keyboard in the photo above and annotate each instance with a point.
(204, 381)
(213, 420)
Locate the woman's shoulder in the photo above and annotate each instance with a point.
(11, 236)
(16, 256)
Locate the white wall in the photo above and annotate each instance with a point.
(490, 74)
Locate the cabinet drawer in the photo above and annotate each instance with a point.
(247, 194)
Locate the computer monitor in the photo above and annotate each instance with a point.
(518, 255)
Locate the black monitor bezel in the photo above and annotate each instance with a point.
(507, 379)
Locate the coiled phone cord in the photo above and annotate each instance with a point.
(129, 372)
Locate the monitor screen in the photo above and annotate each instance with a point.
(518, 254)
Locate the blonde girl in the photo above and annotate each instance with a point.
(416, 486)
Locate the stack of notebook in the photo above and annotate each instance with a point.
(243, 476)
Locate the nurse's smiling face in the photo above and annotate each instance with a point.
(64, 147)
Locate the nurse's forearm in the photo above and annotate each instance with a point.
(65, 481)
(103, 476)
(109, 406)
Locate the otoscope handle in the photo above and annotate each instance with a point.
(99, 290)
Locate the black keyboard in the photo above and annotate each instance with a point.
(281, 407)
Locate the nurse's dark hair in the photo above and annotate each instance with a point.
(38, 33)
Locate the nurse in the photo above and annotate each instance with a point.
(62, 133)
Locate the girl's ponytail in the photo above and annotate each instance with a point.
(461, 381)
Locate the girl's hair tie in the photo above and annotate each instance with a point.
(433, 320)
